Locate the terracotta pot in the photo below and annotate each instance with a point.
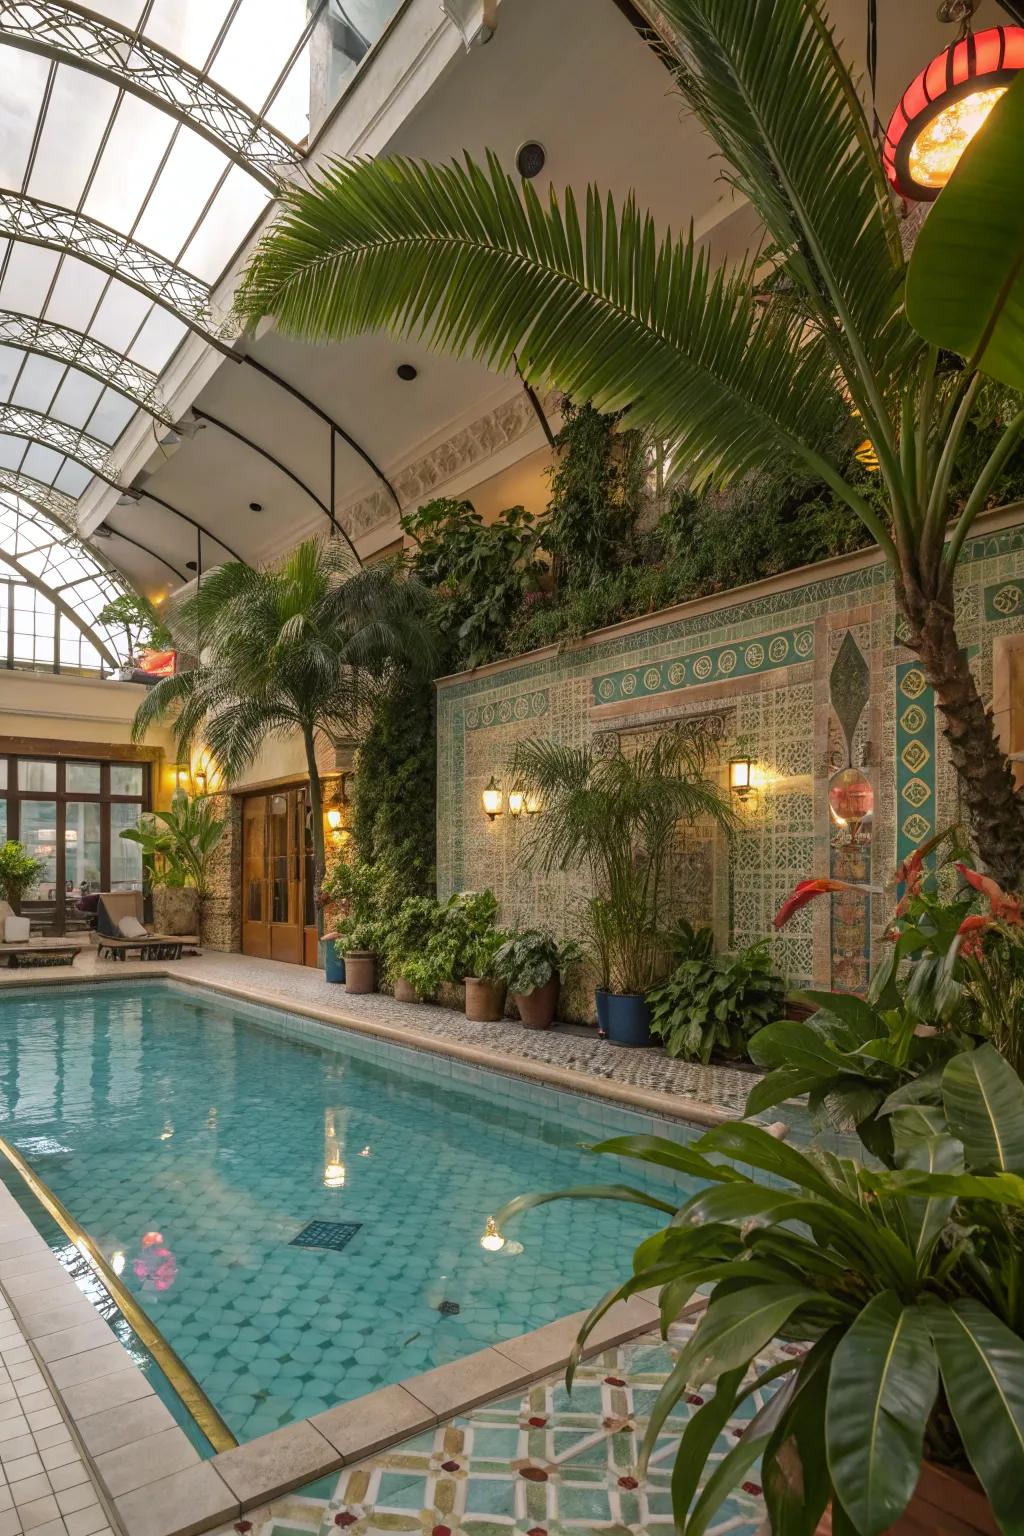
(360, 971)
(405, 992)
(537, 1008)
(176, 909)
(944, 1504)
(485, 1000)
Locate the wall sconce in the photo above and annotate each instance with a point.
(491, 800)
(181, 776)
(516, 802)
(199, 780)
(334, 818)
(532, 805)
(741, 776)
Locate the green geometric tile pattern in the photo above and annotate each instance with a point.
(524, 706)
(1004, 600)
(915, 759)
(741, 659)
(539, 1463)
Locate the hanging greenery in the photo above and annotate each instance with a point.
(393, 826)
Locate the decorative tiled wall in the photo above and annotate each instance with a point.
(809, 677)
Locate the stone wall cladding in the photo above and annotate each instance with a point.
(222, 912)
(801, 717)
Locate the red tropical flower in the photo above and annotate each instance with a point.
(808, 889)
(970, 935)
(1004, 907)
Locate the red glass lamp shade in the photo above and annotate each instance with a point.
(941, 111)
(851, 797)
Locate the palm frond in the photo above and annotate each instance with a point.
(597, 303)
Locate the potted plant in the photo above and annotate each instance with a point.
(485, 991)
(411, 963)
(352, 887)
(619, 815)
(714, 1003)
(362, 940)
(19, 872)
(178, 847)
(894, 1292)
(334, 958)
(531, 965)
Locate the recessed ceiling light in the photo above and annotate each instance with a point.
(255, 506)
(407, 372)
(531, 158)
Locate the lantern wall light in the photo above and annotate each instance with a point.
(199, 779)
(334, 818)
(181, 776)
(947, 103)
(516, 802)
(492, 800)
(741, 776)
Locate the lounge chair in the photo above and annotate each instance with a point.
(38, 951)
(120, 931)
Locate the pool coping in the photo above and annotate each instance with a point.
(153, 1477)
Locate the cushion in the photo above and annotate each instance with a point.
(16, 930)
(131, 928)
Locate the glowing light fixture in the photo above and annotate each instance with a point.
(741, 776)
(516, 802)
(334, 1175)
(492, 799)
(117, 1262)
(334, 818)
(492, 1239)
(944, 107)
(181, 776)
(199, 778)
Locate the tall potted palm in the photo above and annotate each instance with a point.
(304, 646)
(734, 371)
(178, 848)
(617, 816)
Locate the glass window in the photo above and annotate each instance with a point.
(126, 779)
(83, 778)
(3, 773)
(82, 845)
(125, 857)
(37, 777)
(39, 839)
(3, 821)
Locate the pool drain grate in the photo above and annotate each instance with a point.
(334, 1235)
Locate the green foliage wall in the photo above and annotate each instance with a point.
(395, 789)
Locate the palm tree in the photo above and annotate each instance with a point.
(306, 645)
(734, 371)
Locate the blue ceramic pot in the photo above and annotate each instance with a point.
(601, 995)
(629, 1019)
(334, 964)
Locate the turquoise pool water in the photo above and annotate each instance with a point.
(195, 1140)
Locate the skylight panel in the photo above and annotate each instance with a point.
(39, 381)
(235, 209)
(76, 398)
(42, 463)
(77, 289)
(127, 13)
(76, 118)
(72, 479)
(22, 82)
(157, 340)
(111, 416)
(10, 363)
(27, 279)
(12, 450)
(129, 162)
(188, 28)
(119, 316)
(257, 47)
(189, 177)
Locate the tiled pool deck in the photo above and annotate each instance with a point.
(457, 1451)
(566, 1058)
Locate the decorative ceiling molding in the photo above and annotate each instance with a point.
(87, 355)
(79, 38)
(34, 427)
(60, 229)
(473, 445)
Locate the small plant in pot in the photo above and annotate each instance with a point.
(531, 964)
(713, 1004)
(353, 888)
(485, 991)
(619, 815)
(462, 949)
(19, 873)
(412, 961)
(178, 847)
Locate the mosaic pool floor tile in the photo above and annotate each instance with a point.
(539, 1463)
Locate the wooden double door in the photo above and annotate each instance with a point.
(278, 911)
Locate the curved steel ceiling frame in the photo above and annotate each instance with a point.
(87, 355)
(60, 229)
(36, 427)
(74, 35)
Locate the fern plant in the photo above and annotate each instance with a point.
(712, 1004)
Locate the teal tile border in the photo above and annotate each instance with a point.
(742, 659)
(1005, 600)
(523, 706)
(915, 759)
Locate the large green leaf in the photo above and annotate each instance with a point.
(666, 1154)
(794, 1469)
(965, 287)
(982, 1367)
(698, 1440)
(882, 1387)
(924, 1219)
(737, 1326)
(984, 1102)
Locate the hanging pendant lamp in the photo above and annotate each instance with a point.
(942, 109)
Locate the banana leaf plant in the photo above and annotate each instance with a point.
(178, 844)
(900, 1289)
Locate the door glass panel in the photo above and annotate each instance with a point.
(82, 778)
(3, 821)
(39, 838)
(308, 908)
(125, 857)
(125, 779)
(40, 778)
(253, 856)
(82, 846)
(279, 858)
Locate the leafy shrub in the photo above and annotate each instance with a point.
(407, 945)
(396, 774)
(19, 872)
(529, 959)
(597, 494)
(464, 936)
(713, 1004)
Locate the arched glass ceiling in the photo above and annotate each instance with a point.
(52, 590)
(140, 138)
